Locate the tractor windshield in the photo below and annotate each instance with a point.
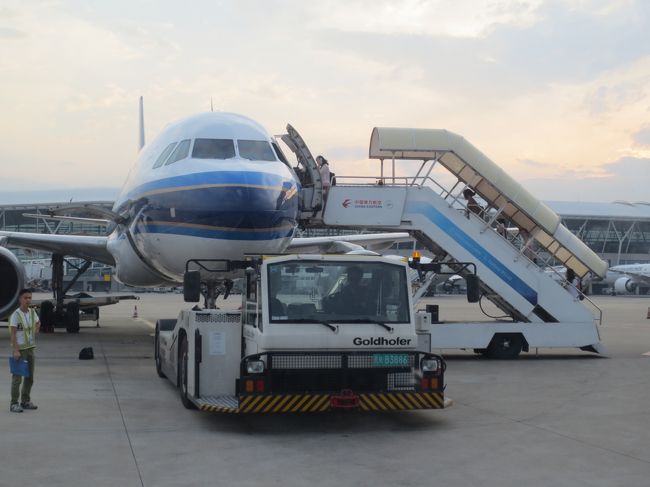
(338, 292)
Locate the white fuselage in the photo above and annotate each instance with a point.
(631, 270)
(638, 269)
(230, 195)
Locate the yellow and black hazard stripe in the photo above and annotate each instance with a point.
(290, 403)
(396, 401)
(217, 409)
(312, 403)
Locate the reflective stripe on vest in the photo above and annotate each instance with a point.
(28, 332)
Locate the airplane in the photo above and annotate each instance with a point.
(626, 278)
(213, 187)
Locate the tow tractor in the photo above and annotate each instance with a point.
(314, 333)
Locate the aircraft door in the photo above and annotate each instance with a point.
(311, 195)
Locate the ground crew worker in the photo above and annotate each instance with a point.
(24, 324)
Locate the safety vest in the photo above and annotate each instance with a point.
(25, 331)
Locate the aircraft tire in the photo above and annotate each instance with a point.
(71, 318)
(156, 352)
(47, 317)
(182, 379)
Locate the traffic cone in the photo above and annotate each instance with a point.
(135, 311)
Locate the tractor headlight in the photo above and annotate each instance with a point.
(430, 365)
(255, 366)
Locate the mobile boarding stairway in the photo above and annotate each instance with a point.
(540, 310)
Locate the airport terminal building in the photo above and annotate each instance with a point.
(31, 218)
(619, 232)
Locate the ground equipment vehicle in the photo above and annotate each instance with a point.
(314, 333)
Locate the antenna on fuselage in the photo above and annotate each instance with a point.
(141, 142)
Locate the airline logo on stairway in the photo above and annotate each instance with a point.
(363, 203)
(374, 205)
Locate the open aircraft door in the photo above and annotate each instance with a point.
(311, 195)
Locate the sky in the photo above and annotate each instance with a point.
(556, 92)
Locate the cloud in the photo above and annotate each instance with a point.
(642, 137)
(625, 179)
(531, 163)
(558, 44)
(11, 33)
(437, 18)
(353, 152)
(611, 97)
(547, 89)
(111, 96)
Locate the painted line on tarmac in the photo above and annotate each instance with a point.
(145, 322)
(647, 354)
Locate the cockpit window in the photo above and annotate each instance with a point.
(164, 154)
(181, 152)
(255, 150)
(280, 154)
(213, 149)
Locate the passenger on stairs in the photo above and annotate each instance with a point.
(572, 283)
(528, 245)
(325, 176)
(501, 228)
(472, 204)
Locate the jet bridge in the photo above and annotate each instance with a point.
(433, 210)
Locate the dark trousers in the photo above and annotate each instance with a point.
(27, 382)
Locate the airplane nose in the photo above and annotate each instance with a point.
(256, 211)
(252, 206)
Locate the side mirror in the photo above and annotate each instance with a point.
(192, 286)
(473, 288)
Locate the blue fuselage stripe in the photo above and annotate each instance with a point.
(228, 178)
(218, 206)
(216, 233)
(474, 248)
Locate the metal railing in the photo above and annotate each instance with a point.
(453, 196)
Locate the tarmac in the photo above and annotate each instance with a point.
(558, 417)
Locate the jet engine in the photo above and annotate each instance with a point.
(12, 280)
(624, 285)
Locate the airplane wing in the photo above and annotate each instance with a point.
(85, 211)
(346, 243)
(85, 247)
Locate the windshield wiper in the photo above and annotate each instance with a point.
(309, 320)
(371, 320)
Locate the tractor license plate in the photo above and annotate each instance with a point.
(390, 360)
